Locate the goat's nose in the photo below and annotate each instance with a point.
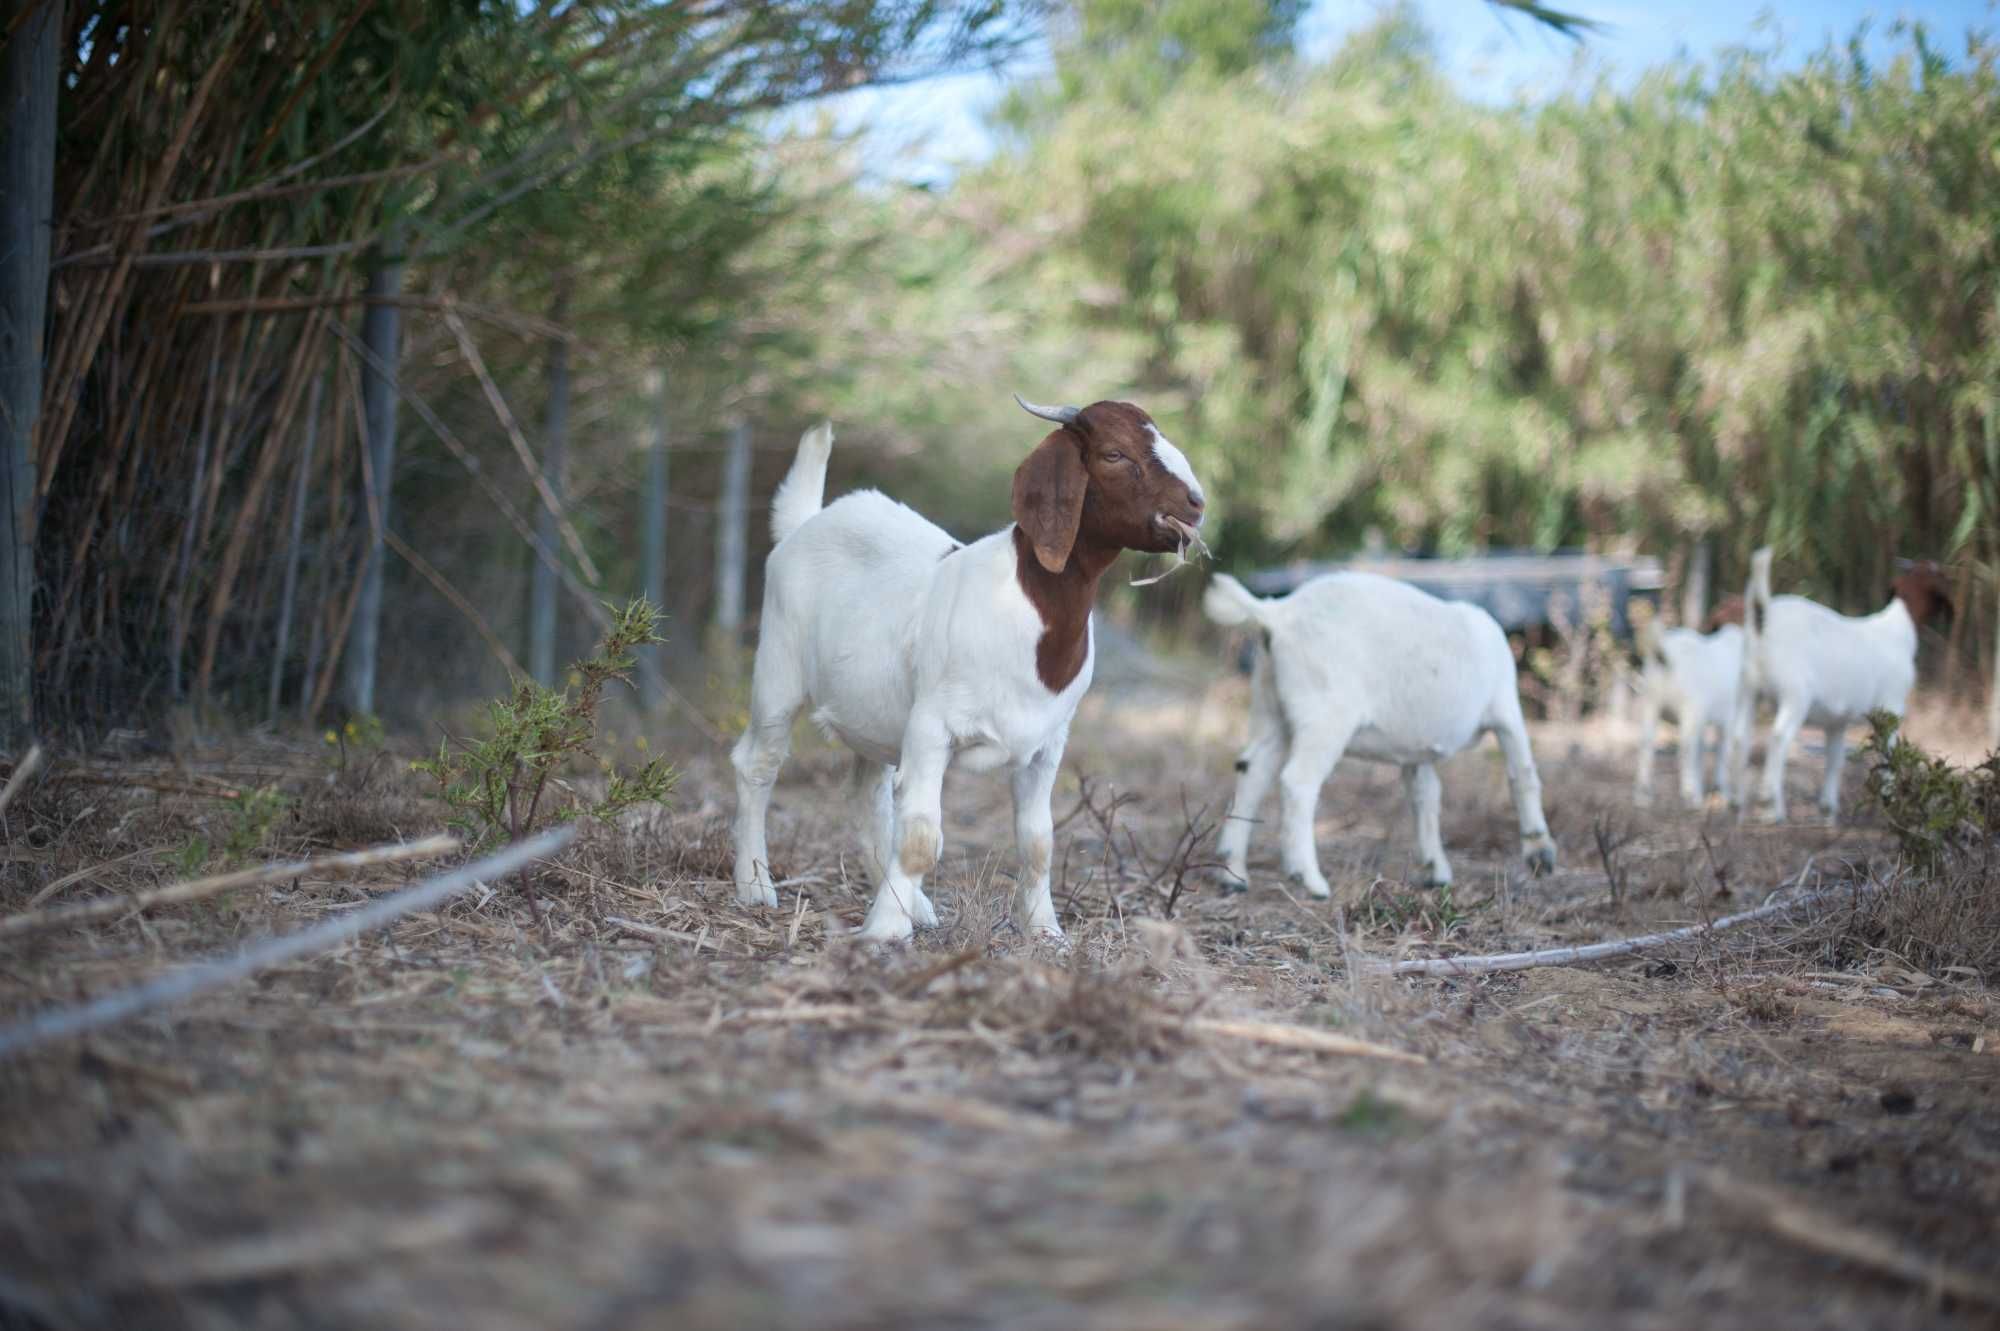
(1196, 501)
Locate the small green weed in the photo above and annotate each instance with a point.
(1933, 807)
(503, 787)
(1368, 1114)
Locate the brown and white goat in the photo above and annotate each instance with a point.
(918, 652)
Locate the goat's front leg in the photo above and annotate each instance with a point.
(919, 831)
(1649, 732)
(1694, 726)
(1426, 792)
(1836, 759)
(1035, 833)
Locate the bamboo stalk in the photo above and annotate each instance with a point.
(319, 938)
(293, 541)
(512, 426)
(450, 593)
(34, 922)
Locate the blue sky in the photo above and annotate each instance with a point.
(923, 131)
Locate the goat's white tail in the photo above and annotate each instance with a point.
(1756, 599)
(1228, 602)
(803, 491)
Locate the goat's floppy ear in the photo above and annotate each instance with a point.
(1048, 497)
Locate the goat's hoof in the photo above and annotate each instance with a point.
(1435, 876)
(1542, 861)
(1830, 812)
(1316, 888)
(922, 913)
(756, 894)
(884, 931)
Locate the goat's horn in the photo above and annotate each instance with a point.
(1060, 415)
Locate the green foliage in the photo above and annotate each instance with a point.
(248, 819)
(507, 784)
(1752, 299)
(1438, 913)
(1933, 807)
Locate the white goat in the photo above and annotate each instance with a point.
(1824, 668)
(915, 650)
(1693, 677)
(1361, 664)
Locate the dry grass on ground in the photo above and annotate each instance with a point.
(705, 1117)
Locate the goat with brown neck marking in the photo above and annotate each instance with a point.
(917, 652)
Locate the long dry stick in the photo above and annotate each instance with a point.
(1791, 1220)
(83, 912)
(442, 585)
(1299, 1037)
(320, 937)
(1571, 956)
(24, 769)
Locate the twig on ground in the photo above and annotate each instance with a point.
(1583, 952)
(85, 912)
(24, 769)
(320, 937)
(1835, 1238)
(1298, 1037)
(83, 875)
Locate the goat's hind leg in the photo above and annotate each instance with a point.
(1538, 848)
(1316, 747)
(1256, 768)
(776, 695)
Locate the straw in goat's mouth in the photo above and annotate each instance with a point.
(1190, 539)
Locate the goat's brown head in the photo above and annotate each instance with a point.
(1108, 479)
(1728, 611)
(1924, 589)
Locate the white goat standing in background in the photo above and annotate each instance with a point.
(1824, 668)
(917, 651)
(1355, 663)
(1691, 676)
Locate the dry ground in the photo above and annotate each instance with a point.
(744, 1120)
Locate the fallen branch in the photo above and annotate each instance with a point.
(165, 785)
(271, 952)
(1582, 952)
(85, 912)
(1823, 1234)
(83, 875)
(24, 769)
(1299, 1037)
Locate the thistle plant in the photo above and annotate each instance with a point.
(508, 784)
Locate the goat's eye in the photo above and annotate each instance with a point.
(1114, 456)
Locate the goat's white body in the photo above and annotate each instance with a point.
(1821, 668)
(873, 605)
(1366, 665)
(914, 652)
(1692, 677)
